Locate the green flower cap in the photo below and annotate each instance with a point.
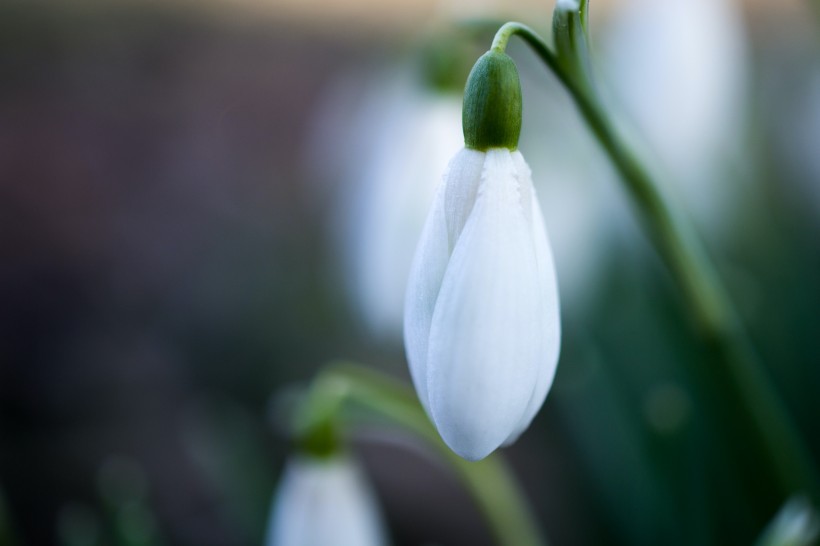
(491, 116)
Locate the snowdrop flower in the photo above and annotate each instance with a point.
(324, 501)
(481, 312)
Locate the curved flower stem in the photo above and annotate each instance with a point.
(681, 250)
(508, 30)
(489, 481)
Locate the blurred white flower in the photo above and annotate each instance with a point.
(678, 68)
(796, 524)
(401, 136)
(394, 193)
(324, 501)
(482, 329)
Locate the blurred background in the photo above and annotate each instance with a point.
(201, 203)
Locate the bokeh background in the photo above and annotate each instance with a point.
(201, 203)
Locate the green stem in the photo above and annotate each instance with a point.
(508, 30)
(685, 257)
(490, 481)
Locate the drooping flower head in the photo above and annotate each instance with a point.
(482, 330)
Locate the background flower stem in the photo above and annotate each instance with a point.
(489, 481)
(738, 374)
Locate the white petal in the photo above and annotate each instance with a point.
(486, 338)
(461, 184)
(430, 261)
(548, 297)
(324, 501)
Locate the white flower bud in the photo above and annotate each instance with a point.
(324, 501)
(482, 329)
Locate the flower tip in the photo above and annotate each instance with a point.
(473, 457)
(466, 429)
(471, 450)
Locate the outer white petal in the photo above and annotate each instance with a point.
(453, 201)
(324, 501)
(486, 338)
(548, 297)
(461, 184)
